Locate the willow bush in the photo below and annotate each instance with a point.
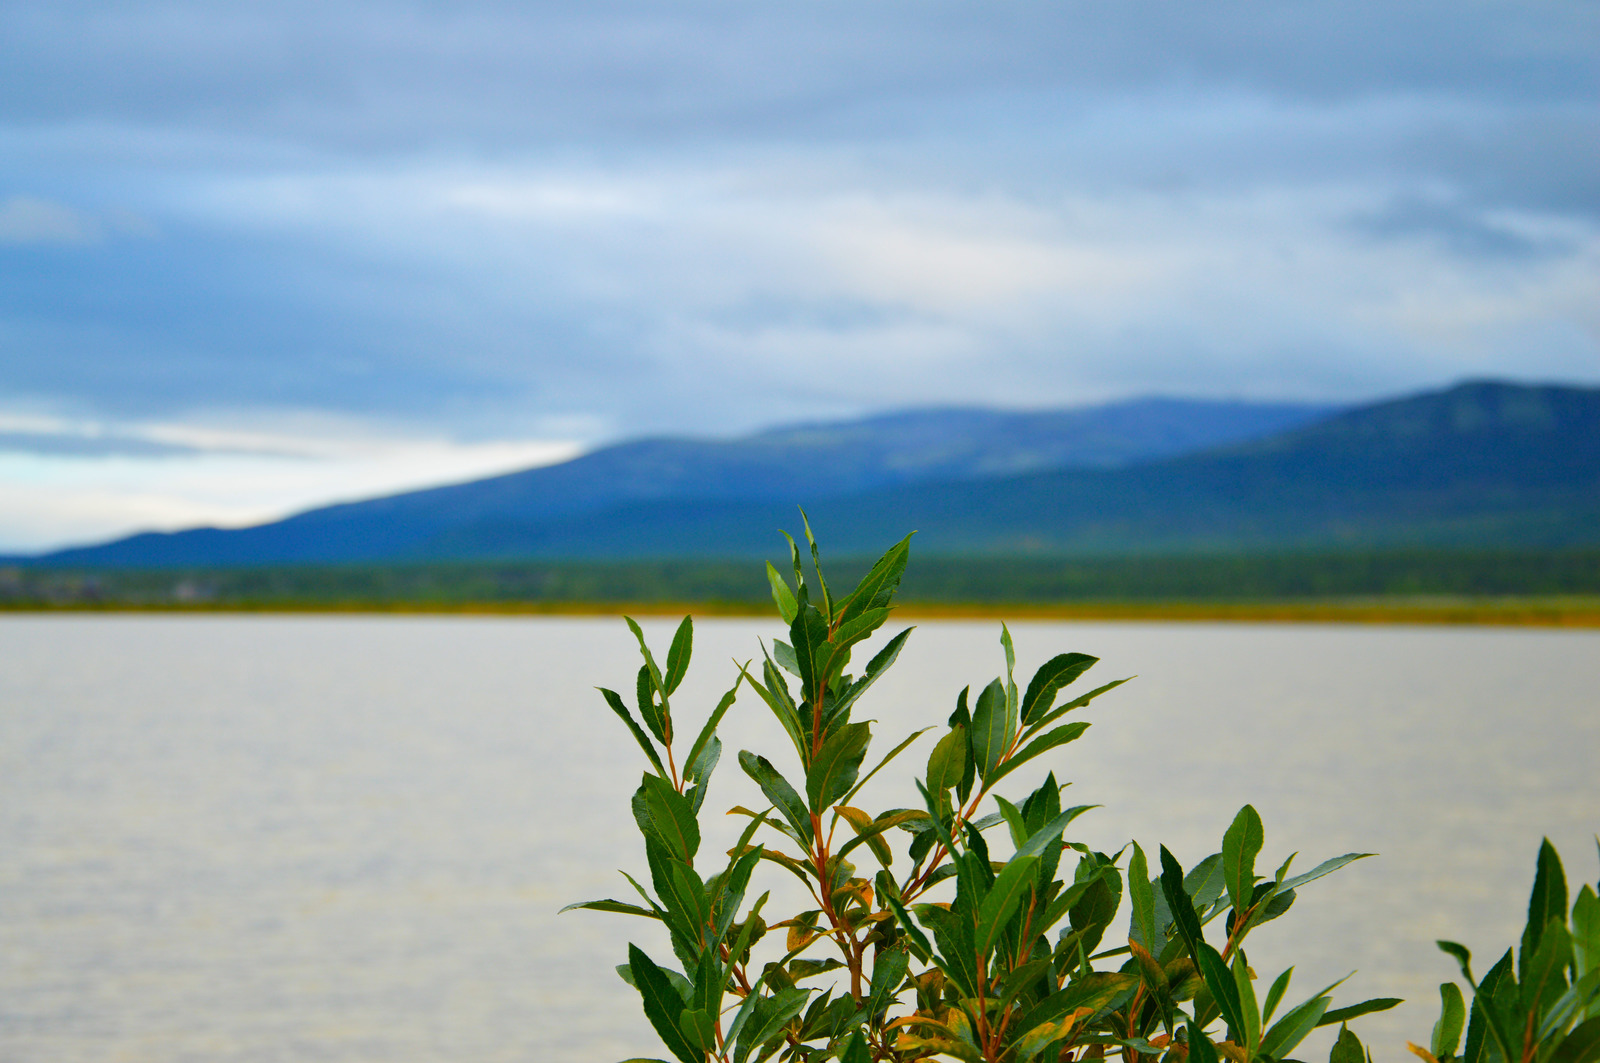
(1543, 1006)
(923, 937)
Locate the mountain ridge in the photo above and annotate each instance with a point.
(1480, 464)
(814, 459)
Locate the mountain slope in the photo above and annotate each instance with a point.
(1482, 464)
(781, 465)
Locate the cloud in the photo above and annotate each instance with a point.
(491, 221)
(381, 76)
(60, 487)
(25, 220)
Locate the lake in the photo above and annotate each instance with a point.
(254, 838)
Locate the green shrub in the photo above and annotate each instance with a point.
(1545, 1006)
(947, 950)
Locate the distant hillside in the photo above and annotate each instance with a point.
(1477, 466)
(772, 469)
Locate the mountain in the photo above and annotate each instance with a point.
(772, 469)
(1479, 465)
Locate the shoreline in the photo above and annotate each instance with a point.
(1573, 613)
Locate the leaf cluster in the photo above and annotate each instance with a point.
(1541, 1005)
(965, 925)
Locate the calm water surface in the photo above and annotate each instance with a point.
(236, 839)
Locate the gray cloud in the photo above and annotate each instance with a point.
(1460, 230)
(26, 220)
(370, 74)
(492, 217)
(54, 444)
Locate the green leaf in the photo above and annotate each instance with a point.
(1095, 990)
(1054, 674)
(1240, 845)
(1327, 867)
(750, 931)
(991, 734)
(778, 791)
(866, 831)
(621, 709)
(856, 1050)
(1224, 990)
(1275, 995)
(1014, 882)
(1347, 1048)
(1270, 904)
(1150, 971)
(782, 597)
(799, 969)
(857, 628)
(816, 566)
(1582, 1045)
(1452, 1018)
(887, 757)
(1036, 1040)
(783, 653)
(640, 891)
(1488, 1003)
(1580, 1001)
(948, 761)
(708, 732)
(1204, 882)
(1355, 1011)
(1098, 905)
(1076, 703)
(698, 1028)
(746, 1011)
(662, 1005)
(1140, 892)
(687, 899)
(1013, 819)
(1040, 839)
(1182, 908)
(794, 561)
(1548, 901)
(1060, 736)
(649, 708)
(919, 940)
(1293, 1027)
(698, 771)
(1544, 973)
(1462, 956)
(833, 772)
(936, 819)
(1013, 703)
(608, 905)
(649, 662)
(772, 1014)
(776, 696)
(877, 587)
(808, 634)
(877, 827)
(1249, 1011)
(1586, 931)
(876, 667)
(678, 654)
(888, 974)
(671, 818)
(1201, 1050)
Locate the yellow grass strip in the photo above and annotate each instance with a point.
(1510, 612)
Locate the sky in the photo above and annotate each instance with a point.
(260, 256)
